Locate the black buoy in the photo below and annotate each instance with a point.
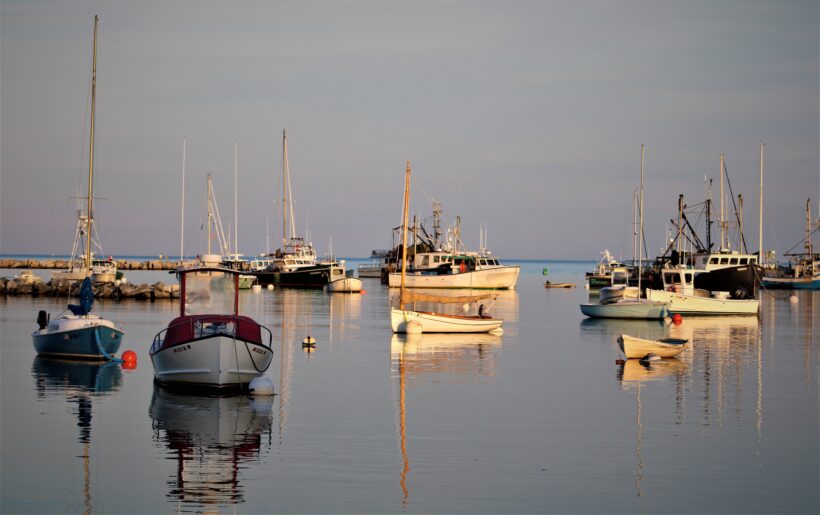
(42, 319)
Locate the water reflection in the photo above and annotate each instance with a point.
(75, 377)
(211, 439)
(440, 359)
(79, 382)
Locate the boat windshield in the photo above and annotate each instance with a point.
(209, 292)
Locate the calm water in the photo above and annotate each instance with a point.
(540, 419)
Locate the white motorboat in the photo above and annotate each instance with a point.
(210, 345)
(682, 297)
(637, 348)
(458, 270)
(406, 320)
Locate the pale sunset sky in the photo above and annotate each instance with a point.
(526, 117)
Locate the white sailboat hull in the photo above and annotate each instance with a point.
(424, 322)
(697, 305)
(496, 278)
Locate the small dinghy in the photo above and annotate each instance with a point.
(344, 285)
(558, 285)
(637, 348)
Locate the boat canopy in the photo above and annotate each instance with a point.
(207, 290)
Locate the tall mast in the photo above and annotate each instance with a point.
(404, 235)
(807, 244)
(740, 222)
(722, 221)
(235, 204)
(760, 226)
(284, 189)
(182, 207)
(640, 230)
(90, 217)
(210, 211)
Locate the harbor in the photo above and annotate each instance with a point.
(544, 412)
(448, 257)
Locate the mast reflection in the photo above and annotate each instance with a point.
(440, 359)
(80, 382)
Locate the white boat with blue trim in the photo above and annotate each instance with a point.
(77, 334)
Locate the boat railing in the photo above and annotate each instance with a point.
(198, 328)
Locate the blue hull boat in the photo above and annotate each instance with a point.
(78, 337)
(79, 334)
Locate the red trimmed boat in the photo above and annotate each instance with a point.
(210, 345)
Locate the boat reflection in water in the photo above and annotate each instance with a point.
(631, 375)
(80, 382)
(211, 439)
(438, 358)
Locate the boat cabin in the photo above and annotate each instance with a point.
(446, 263)
(718, 260)
(679, 280)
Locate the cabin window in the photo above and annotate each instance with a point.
(425, 260)
(752, 261)
(733, 261)
(672, 279)
(482, 262)
(724, 261)
(713, 260)
(688, 278)
(337, 272)
(436, 259)
(744, 261)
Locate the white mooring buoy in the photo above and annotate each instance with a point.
(260, 386)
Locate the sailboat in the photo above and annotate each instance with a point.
(80, 267)
(405, 320)
(625, 301)
(295, 264)
(77, 333)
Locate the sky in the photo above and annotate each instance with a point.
(523, 117)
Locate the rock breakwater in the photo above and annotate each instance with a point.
(114, 291)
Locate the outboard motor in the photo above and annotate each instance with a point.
(42, 319)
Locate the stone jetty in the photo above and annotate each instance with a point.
(57, 264)
(61, 288)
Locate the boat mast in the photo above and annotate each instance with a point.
(640, 230)
(90, 217)
(182, 207)
(404, 235)
(722, 220)
(807, 247)
(284, 189)
(235, 204)
(760, 226)
(210, 212)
